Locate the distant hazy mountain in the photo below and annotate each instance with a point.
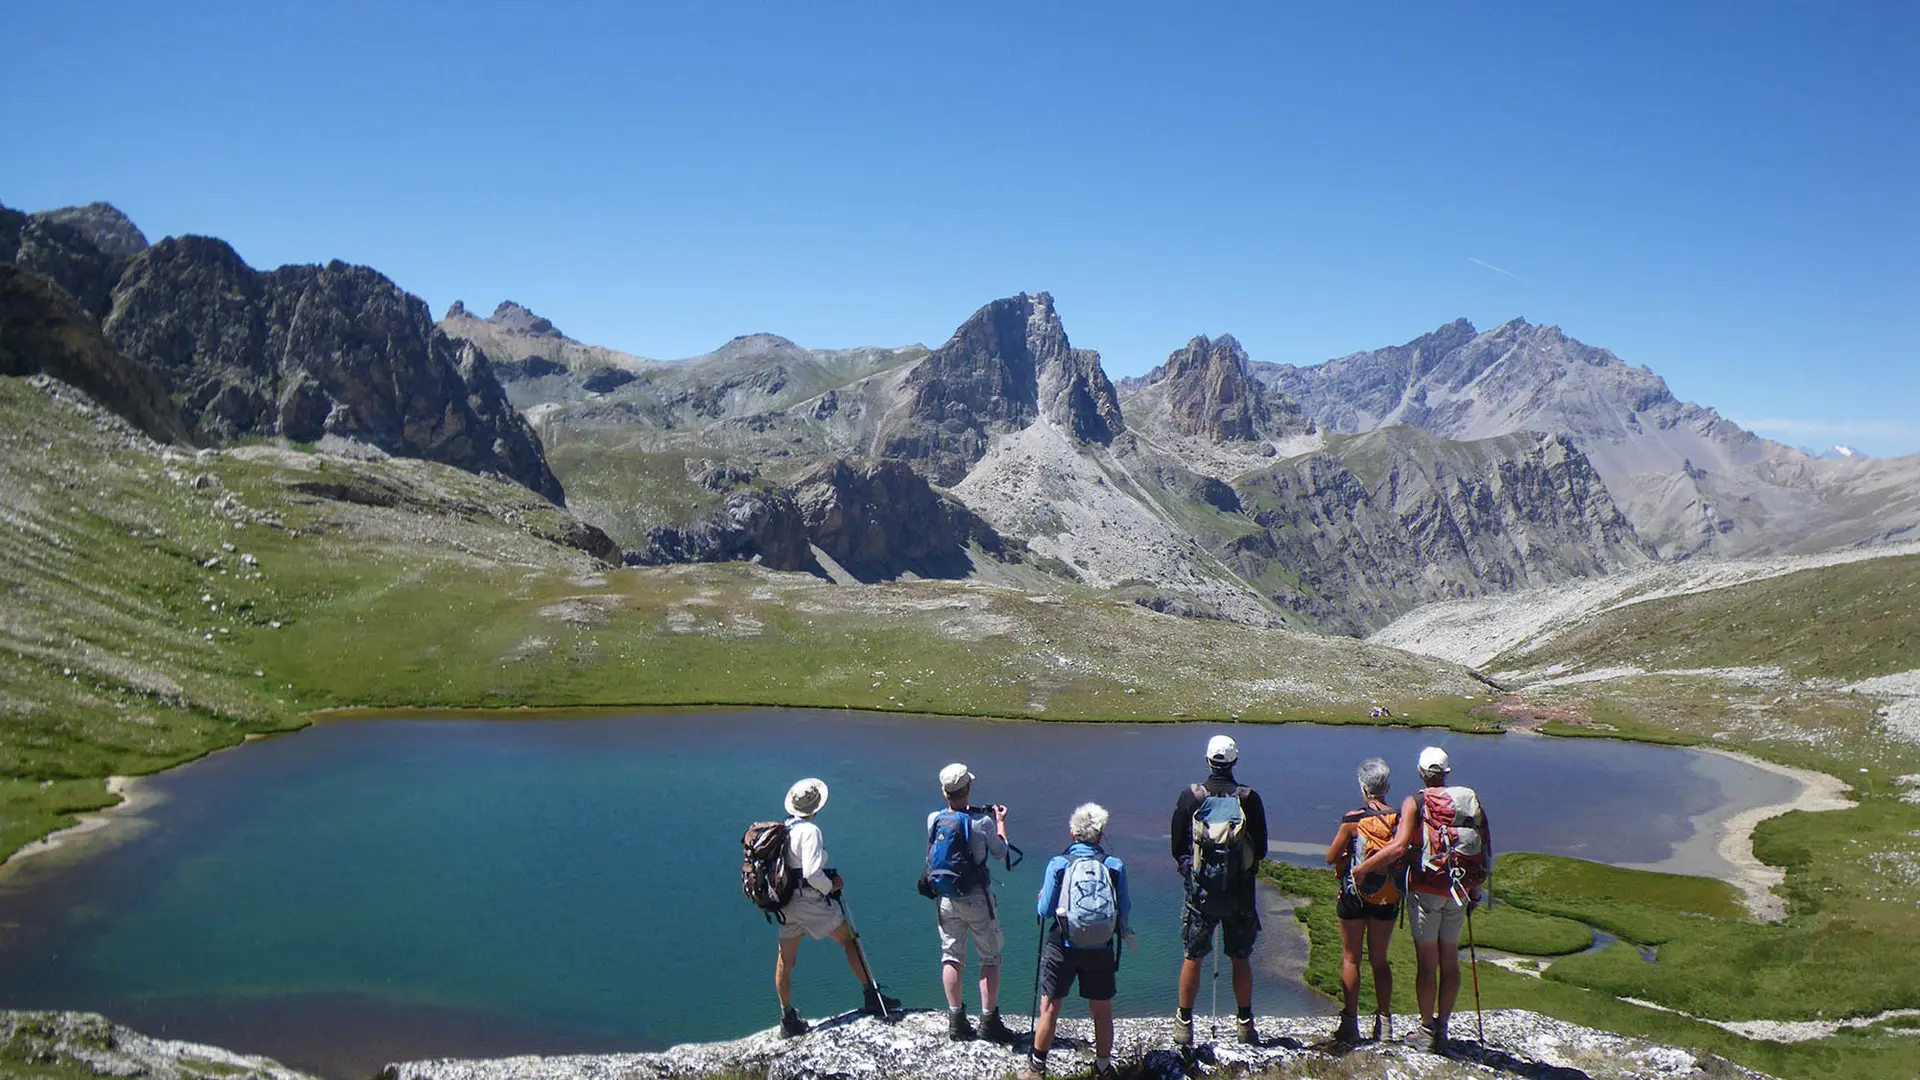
(1691, 481)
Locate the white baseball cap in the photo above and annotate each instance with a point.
(1434, 760)
(1222, 750)
(955, 778)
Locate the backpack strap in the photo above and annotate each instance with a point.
(1200, 792)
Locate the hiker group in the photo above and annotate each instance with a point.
(1428, 859)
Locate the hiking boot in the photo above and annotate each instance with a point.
(992, 1030)
(1108, 1073)
(791, 1026)
(1382, 1026)
(958, 1030)
(1183, 1032)
(1349, 1029)
(1438, 1041)
(1032, 1070)
(875, 1003)
(1243, 1030)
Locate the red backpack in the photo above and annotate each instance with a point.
(1453, 847)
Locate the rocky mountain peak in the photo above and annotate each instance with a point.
(1211, 393)
(458, 311)
(113, 232)
(512, 316)
(1008, 364)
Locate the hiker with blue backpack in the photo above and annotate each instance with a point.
(1219, 836)
(1083, 910)
(961, 841)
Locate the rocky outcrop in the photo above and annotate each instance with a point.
(310, 351)
(512, 317)
(1378, 525)
(1007, 365)
(875, 520)
(763, 526)
(63, 255)
(104, 226)
(43, 330)
(915, 1047)
(85, 1044)
(880, 520)
(1211, 394)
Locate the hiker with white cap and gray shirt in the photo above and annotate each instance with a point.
(813, 911)
(1445, 828)
(961, 842)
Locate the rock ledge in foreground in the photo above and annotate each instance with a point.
(852, 1046)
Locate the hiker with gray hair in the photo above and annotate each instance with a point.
(1368, 902)
(1083, 910)
(813, 911)
(962, 841)
(1443, 830)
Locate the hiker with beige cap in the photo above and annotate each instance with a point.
(814, 911)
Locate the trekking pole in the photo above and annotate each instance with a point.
(1213, 1031)
(1039, 947)
(1473, 955)
(873, 982)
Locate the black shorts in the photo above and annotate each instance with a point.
(1237, 932)
(1095, 968)
(1351, 907)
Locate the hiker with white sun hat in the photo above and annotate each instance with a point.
(817, 909)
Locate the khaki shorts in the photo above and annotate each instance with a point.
(1435, 918)
(810, 913)
(964, 917)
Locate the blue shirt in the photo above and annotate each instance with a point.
(1057, 867)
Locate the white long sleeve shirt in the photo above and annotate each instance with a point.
(807, 853)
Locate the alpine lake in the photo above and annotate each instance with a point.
(368, 891)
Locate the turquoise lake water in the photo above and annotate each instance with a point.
(367, 891)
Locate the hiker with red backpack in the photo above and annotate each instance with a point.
(1219, 836)
(961, 841)
(1083, 907)
(1444, 827)
(784, 872)
(1370, 899)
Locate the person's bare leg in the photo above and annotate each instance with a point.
(1102, 1027)
(1243, 983)
(1189, 982)
(1426, 971)
(783, 971)
(845, 937)
(1449, 957)
(1379, 939)
(1043, 1027)
(950, 982)
(1351, 935)
(989, 989)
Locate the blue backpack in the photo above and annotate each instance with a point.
(1088, 907)
(951, 870)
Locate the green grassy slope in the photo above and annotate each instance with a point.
(1851, 622)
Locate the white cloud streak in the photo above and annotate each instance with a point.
(1495, 269)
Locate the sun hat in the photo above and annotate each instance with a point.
(1434, 760)
(805, 798)
(955, 778)
(1222, 750)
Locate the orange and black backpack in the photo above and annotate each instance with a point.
(1373, 830)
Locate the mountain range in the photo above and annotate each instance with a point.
(1337, 496)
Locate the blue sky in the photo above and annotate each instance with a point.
(1727, 193)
